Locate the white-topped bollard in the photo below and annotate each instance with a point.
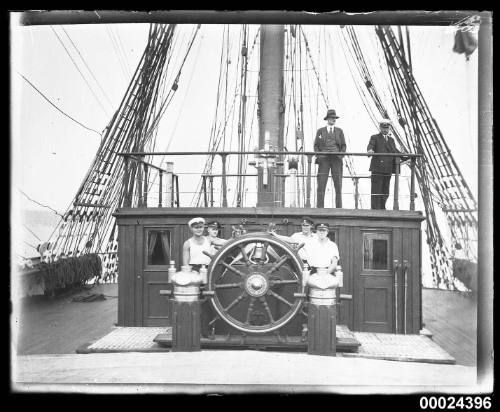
(322, 313)
(339, 275)
(305, 274)
(204, 274)
(186, 320)
(171, 271)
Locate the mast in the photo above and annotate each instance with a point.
(272, 108)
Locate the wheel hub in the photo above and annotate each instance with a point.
(256, 285)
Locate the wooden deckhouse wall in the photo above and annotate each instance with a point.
(372, 306)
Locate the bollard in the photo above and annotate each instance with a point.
(339, 275)
(322, 314)
(204, 274)
(171, 271)
(186, 318)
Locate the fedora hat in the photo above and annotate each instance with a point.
(331, 113)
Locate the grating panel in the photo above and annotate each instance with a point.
(129, 339)
(410, 348)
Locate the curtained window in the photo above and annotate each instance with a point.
(159, 250)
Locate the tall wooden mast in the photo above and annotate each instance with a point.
(272, 43)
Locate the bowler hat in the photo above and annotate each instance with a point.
(331, 113)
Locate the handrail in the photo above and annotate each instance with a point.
(139, 156)
(143, 189)
(269, 152)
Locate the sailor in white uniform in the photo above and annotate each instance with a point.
(192, 251)
(303, 237)
(322, 252)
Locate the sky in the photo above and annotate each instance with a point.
(52, 154)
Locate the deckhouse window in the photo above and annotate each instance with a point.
(376, 251)
(158, 247)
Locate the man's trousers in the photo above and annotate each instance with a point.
(380, 189)
(325, 165)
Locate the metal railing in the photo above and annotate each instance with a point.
(208, 197)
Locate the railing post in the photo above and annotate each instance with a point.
(308, 183)
(396, 184)
(126, 184)
(356, 192)
(412, 184)
(211, 184)
(140, 193)
(145, 186)
(172, 196)
(160, 199)
(178, 200)
(204, 185)
(224, 183)
(169, 184)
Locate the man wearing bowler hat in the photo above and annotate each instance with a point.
(329, 139)
(382, 167)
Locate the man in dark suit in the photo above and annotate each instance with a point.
(382, 167)
(329, 139)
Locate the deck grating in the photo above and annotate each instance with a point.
(407, 348)
(128, 339)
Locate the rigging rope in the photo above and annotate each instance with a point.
(79, 71)
(53, 105)
(34, 201)
(88, 68)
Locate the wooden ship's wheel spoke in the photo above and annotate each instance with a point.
(281, 299)
(234, 302)
(250, 309)
(284, 282)
(233, 269)
(228, 285)
(266, 307)
(262, 262)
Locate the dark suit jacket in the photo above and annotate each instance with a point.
(382, 164)
(319, 142)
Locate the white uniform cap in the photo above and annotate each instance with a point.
(196, 220)
(384, 121)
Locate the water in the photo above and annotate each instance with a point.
(34, 228)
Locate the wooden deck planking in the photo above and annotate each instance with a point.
(57, 326)
(452, 319)
(60, 326)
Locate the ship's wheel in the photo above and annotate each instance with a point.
(253, 283)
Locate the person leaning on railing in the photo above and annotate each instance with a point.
(382, 167)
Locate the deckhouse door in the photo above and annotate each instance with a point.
(373, 281)
(157, 247)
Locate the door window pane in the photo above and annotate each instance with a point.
(375, 251)
(158, 247)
